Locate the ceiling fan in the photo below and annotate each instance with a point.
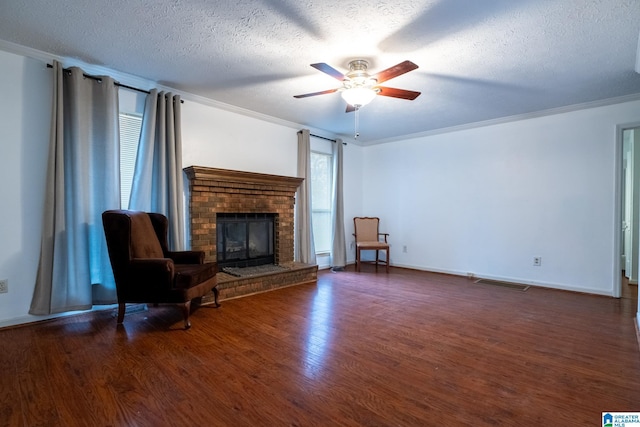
(359, 88)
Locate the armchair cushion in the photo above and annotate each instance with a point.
(148, 277)
(189, 275)
(186, 257)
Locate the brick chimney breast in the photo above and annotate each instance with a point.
(214, 191)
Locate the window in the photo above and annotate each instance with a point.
(130, 126)
(321, 195)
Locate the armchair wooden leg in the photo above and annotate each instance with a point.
(215, 297)
(186, 310)
(121, 310)
(357, 260)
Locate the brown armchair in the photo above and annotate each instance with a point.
(146, 271)
(368, 236)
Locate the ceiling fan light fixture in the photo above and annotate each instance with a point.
(358, 96)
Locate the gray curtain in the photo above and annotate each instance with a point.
(157, 178)
(304, 248)
(83, 180)
(339, 247)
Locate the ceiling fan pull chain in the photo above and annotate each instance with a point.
(356, 134)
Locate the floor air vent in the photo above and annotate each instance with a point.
(516, 286)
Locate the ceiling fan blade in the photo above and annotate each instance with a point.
(395, 71)
(328, 69)
(306, 95)
(398, 93)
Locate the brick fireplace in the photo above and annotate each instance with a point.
(221, 191)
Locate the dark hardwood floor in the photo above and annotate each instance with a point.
(357, 349)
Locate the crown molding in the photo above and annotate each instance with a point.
(93, 69)
(146, 84)
(514, 118)
(239, 110)
(27, 51)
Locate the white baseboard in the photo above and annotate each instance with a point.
(561, 286)
(29, 318)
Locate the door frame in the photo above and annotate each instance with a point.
(627, 211)
(618, 213)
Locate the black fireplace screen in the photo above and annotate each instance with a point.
(245, 240)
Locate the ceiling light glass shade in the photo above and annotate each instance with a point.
(358, 96)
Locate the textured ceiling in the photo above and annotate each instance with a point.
(479, 60)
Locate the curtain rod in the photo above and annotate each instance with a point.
(324, 137)
(89, 76)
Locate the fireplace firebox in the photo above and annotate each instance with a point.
(245, 239)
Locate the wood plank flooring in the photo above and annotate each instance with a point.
(357, 349)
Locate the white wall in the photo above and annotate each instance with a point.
(487, 200)
(24, 143)
(212, 137)
(216, 138)
(353, 172)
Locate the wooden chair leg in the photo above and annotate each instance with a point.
(388, 258)
(121, 310)
(358, 260)
(186, 310)
(377, 257)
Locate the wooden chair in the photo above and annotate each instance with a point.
(368, 236)
(146, 271)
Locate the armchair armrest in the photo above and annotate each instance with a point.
(385, 236)
(187, 257)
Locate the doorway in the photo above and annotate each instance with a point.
(629, 249)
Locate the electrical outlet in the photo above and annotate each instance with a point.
(404, 249)
(353, 244)
(537, 261)
(4, 286)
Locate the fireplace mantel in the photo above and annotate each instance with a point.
(288, 183)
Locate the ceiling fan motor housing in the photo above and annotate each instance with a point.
(358, 76)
